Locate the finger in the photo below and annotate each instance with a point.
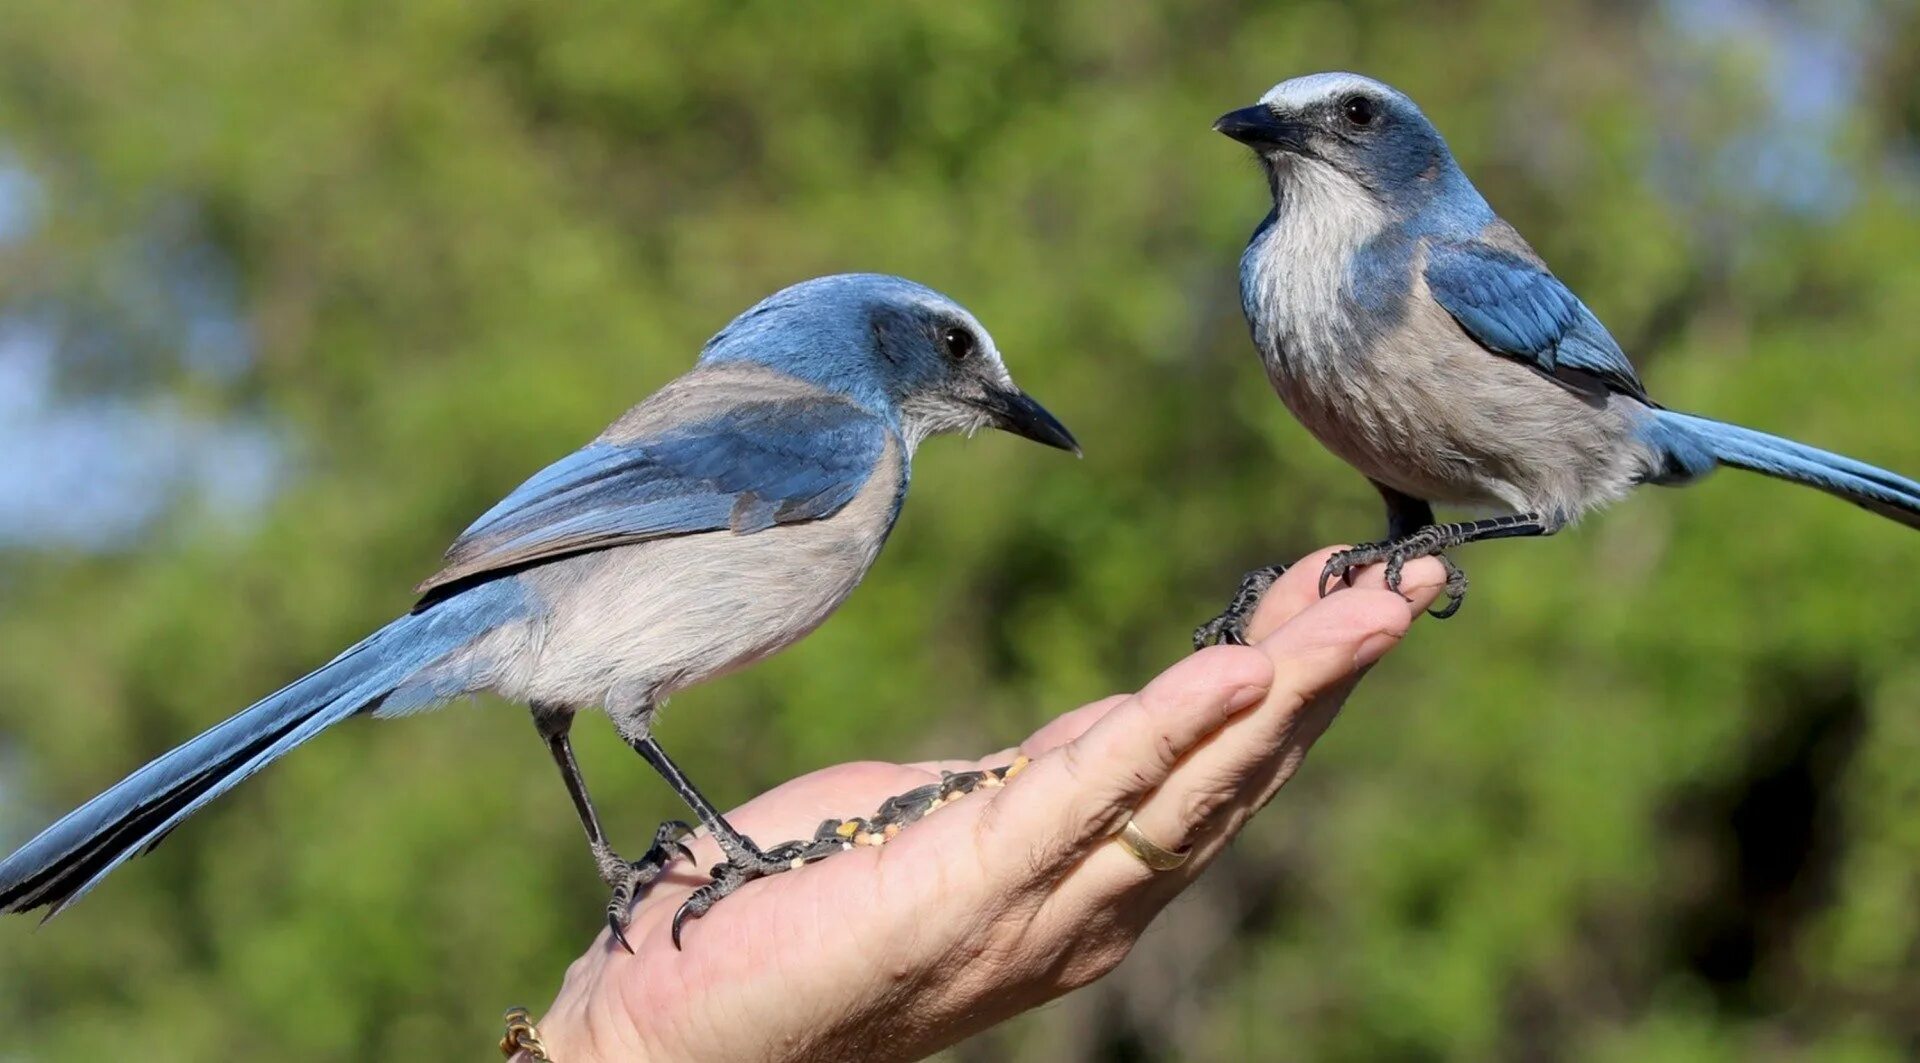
(1423, 575)
(1295, 590)
(1299, 586)
(1061, 729)
(1263, 739)
(1065, 728)
(1079, 791)
(1316, 659)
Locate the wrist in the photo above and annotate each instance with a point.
(578, 1029)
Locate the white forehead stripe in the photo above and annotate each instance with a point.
(1315, 88)
(940, 304)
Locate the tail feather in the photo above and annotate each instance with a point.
(1689, 439)
(65, 861)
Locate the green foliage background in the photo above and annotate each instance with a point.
(1652, 795)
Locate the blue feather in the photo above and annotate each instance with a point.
(747, 469)
(1512, 307)
(1692, 445)
(62, 863)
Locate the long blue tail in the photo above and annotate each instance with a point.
(388, 668)
(1696, 444)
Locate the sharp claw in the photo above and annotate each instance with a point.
(679, 918)
(670, 841)
(1455, 590)
(1230, 627)
(1219, 630)
(619, 932)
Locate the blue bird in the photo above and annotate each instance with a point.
(1419, 338)
(712, 525)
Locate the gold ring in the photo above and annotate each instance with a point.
(1149, 852)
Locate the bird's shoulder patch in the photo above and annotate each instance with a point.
(1507, 301)
(743, 466)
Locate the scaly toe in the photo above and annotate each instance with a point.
(668, 842)
(1227, 629)
(1230, 627)
(1340, 568)
(1454, 591)
(617, 917)
(726, 879)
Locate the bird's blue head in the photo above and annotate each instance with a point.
(1355, 132)
(899, 349)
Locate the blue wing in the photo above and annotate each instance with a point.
(747, 469)
(1513, 306)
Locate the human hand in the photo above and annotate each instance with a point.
(1003, 899)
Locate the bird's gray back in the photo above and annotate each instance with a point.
(708, 392)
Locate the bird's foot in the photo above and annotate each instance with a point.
(1230, 627)
(744, 867)
(839, 835)
(627, 878)
(1430, 541)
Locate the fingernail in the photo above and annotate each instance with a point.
(1245, 698)
(1374, 647)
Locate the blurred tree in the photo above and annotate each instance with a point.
(368, 265)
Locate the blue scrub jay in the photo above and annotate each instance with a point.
(712, 525)
(1419, 338)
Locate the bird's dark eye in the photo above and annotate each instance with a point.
(1358, 109)
(959, 343)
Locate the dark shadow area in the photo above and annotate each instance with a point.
(1773, 834)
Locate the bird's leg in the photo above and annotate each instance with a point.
(1430, 541)
(1230, 627)
(625, 878)
(1405, 516)
(744, 862)
(1405, 513)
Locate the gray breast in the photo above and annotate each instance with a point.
(1412, 401)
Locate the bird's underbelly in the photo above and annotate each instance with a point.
(1448, 422)
(624, 628)
(635, 624)
(1385, 439)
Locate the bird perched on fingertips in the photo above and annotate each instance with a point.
(1421, 339)
(712, 525)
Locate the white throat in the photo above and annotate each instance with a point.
(1296, 279)
(922, 418)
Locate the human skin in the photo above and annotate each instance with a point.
(1002, 900)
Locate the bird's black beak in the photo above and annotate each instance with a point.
(1013, 410)
(1259, 128)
